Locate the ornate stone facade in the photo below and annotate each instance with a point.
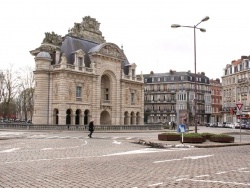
(80, 77)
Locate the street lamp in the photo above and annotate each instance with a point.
(195, 84)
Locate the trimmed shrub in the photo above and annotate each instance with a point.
(207, 136)
(193, 138)
(169, 136)
(222, 138)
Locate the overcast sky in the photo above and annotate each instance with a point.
(143, 27)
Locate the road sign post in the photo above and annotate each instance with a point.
(239, 107)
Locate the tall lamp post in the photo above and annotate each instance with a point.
(195, 84)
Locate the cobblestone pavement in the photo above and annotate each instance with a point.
(71, 159)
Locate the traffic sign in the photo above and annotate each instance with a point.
(239, 105)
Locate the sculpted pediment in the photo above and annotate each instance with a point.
(111, 50)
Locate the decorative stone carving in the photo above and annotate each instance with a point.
(63, 59)
(52, 38)
(56, 91)
(111, 50)
(87, 29)
(70, 91)
(88, 92)
(91, 24)
(137, 97)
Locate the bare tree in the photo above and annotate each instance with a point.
(1, 85)
(26, 93)
(9, 91)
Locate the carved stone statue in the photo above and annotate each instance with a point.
(52, 38)
(87, 29)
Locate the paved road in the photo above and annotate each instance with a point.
(71, 159)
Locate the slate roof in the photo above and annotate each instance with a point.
(72, 44)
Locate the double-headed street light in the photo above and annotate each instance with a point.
(195, 85)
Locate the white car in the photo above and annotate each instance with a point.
(229, 125)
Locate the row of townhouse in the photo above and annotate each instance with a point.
(236, 88)
(171, 97)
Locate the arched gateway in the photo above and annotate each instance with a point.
(80, 76)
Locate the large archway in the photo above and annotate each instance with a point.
(105, 118)
(68, 117)
(132, 118)
(86, 117)
(126, 118)
(78, 116)
(138, 118)
(55, 116)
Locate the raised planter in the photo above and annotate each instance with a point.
(222, 138)
(193, 140)
(207, 136)
(169, 137)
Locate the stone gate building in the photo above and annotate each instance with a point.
(80, 77)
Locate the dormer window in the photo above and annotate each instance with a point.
(80, 61)
(79, 58)
(133, 72)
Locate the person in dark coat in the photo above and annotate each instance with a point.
(91, 128)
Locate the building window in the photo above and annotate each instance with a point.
(182, 77)
(153, 79)
(80, 61)
(159, 79)
(172, 78)
(107, 94)
(133, 72)
(78, 92)
(132, 97)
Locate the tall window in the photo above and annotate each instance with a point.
(80, 61)
(78, 92)
(133, 72)
(132, 97)
(106, 94)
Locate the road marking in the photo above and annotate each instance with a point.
(206, 175)
(146, 150)
(156, 184)
(197, 157)
(115, 142)
(184, 158)
(9, 150)
(128, 138)
(224, 172)
(211, 181)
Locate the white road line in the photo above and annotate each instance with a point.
(115, 142)
(156, 184)
(242, 168)
(128, 138)
(9, 150)
(146, 150)
(211, 181)
(184, 158)
(168, 160)
(206, 175)
(224, 172)
(197, 157)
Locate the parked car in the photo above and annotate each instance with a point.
(211, 124)
(237, 125)
(229, 125)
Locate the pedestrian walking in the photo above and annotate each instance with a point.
(173, 125)
(91, 128)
